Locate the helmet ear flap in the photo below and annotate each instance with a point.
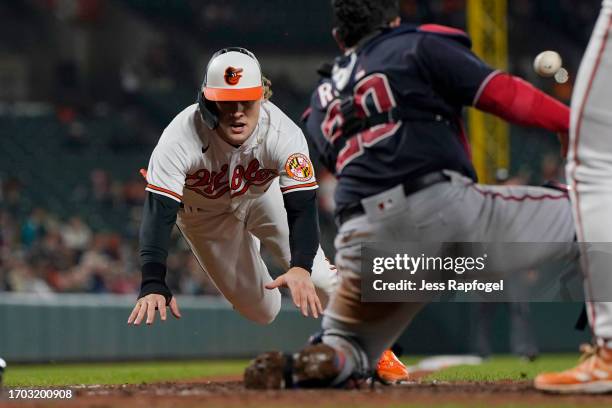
(208, 111)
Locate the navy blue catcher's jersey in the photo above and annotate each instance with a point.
(429, 69)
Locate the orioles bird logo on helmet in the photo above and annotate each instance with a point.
(232, 75)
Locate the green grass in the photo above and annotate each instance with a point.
(118, 373)
(497, 368)
(506, 368)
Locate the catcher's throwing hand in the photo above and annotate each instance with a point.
(302, 290)
(147, 305)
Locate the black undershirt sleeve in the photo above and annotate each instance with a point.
(158, 219)
(303, 219)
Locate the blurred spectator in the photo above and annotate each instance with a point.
(33, 228)
(133, 192)
(11, 194)
(8, 231)
(70, 97)
(158, 66)
(76, 137)
(76, 234)
(22, 277)
(155, 70)
(101, 186)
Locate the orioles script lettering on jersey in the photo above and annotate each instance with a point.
(214, 184)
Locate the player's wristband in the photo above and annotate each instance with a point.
(154, 281)
(305, 263)
(303, 223)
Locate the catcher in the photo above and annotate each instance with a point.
(386, 119)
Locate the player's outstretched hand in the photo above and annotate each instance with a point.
(302, 290)
(147, 305)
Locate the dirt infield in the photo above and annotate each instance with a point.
(230, 392)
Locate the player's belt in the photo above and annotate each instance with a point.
(410, 187)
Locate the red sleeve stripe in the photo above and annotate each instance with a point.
(306, 114)
(297, 186)
(442, 29)
(483, 85)
(163, 190)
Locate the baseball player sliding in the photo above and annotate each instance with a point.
(386, 119)
(233, 172)
(589, 171)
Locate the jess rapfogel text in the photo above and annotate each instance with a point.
(407, 285)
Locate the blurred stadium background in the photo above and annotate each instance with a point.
(87, 86)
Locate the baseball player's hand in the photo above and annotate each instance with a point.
(147, 305)
(564, 140)
(302, 290)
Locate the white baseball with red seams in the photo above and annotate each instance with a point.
(232, 202)
(547, 63)
(589, 167)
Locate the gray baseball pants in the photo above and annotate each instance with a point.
(455, 211)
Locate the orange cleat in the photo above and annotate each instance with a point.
(390, 369)
(593, 375)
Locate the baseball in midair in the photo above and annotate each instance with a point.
(547, 63)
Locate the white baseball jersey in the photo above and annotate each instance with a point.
(191, 164)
